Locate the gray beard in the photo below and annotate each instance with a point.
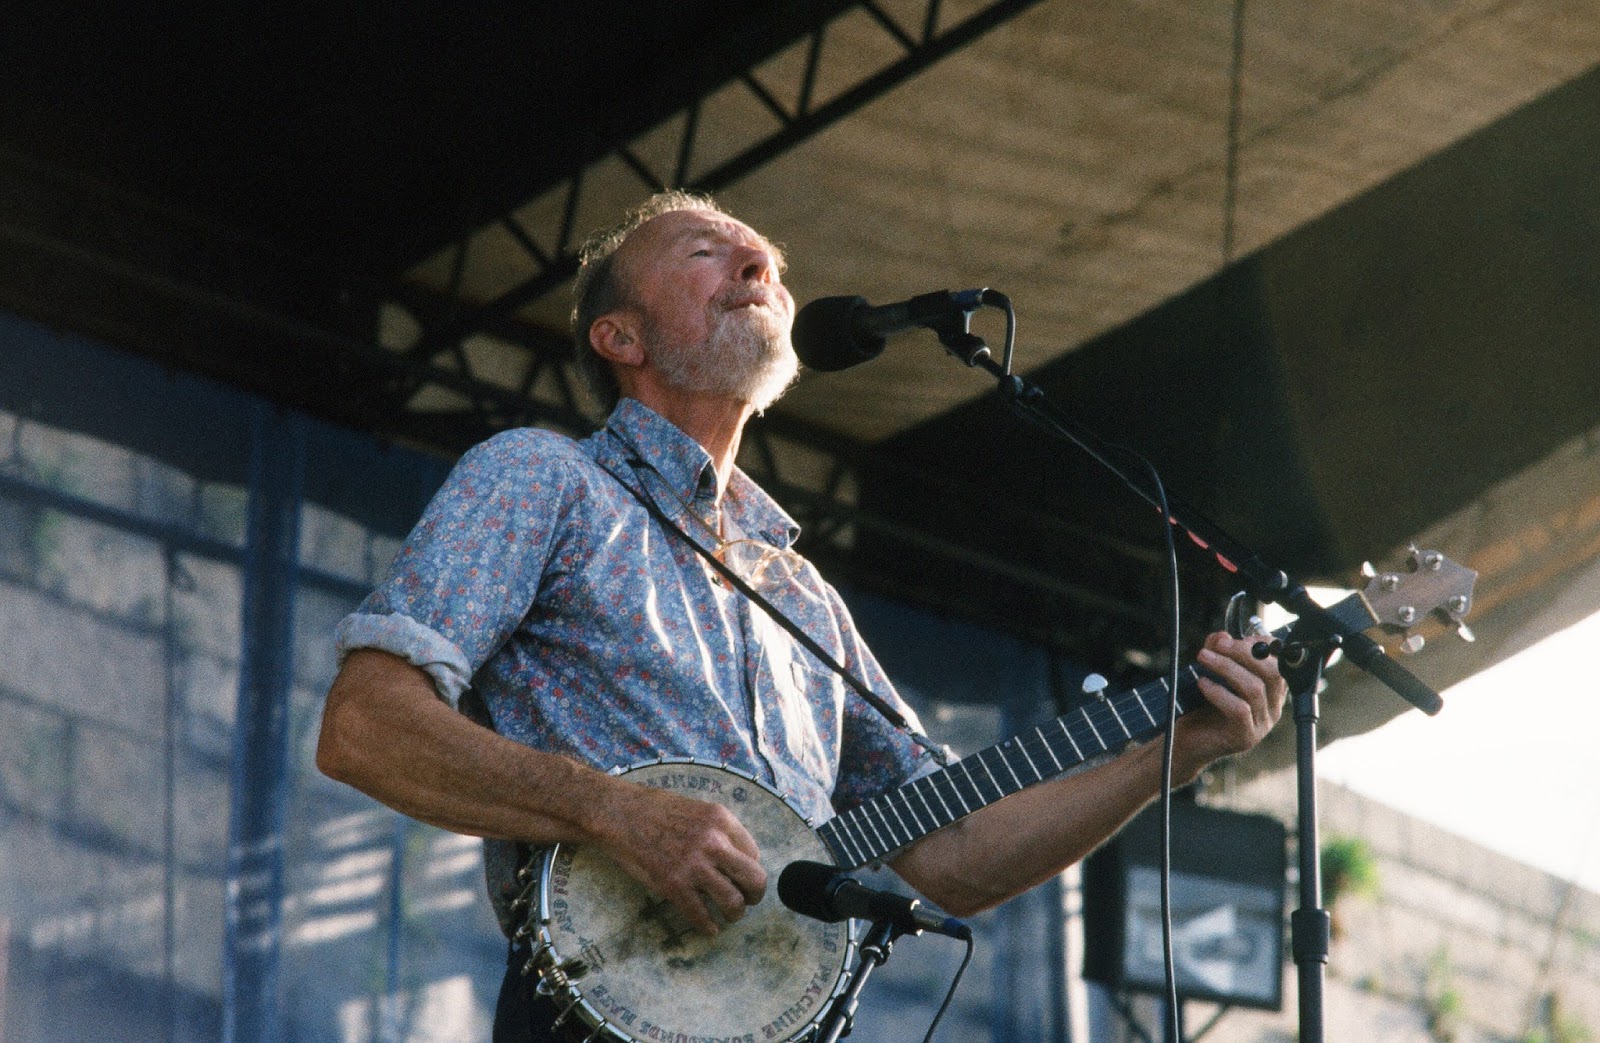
(748, 357)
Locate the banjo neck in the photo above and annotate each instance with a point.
(1102, 728)
(1396, 602)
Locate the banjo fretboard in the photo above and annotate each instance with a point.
(1103, 727)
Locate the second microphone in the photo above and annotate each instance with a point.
(823, 893)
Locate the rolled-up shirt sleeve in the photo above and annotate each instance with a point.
(440, 658)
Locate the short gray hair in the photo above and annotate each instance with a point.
(597, 290)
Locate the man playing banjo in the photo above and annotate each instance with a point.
(545, 596)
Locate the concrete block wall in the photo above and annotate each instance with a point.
(1459, 942)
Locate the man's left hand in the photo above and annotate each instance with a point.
(1245, 702)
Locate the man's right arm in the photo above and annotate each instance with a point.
(387, 733)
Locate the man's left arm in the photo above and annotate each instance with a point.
(1012, 845)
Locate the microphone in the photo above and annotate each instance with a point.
(833, 333)
(823, 893)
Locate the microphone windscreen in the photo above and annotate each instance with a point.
(803, 887)
(825, 337)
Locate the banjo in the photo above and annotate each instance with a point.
(624, 967)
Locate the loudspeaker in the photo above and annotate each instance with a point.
(1228, 876)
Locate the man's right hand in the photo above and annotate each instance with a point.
(387, 733)
(694, 854)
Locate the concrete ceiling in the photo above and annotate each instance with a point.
(1076, 157)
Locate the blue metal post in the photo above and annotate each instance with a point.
(260, 782)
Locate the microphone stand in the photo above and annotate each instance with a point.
(1302, 660)
(875, 949)
(1310, 926)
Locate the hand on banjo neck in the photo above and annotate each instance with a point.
(698, 857)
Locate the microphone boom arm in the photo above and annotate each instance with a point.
(1262, 580)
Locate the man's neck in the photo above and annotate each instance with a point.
(717, 424)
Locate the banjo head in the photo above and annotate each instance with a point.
(632, 969)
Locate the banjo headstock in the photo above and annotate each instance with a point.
(1428, 585)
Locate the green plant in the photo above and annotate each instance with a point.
(1442, 1004)
(1348, 868)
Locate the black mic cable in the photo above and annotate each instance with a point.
(1174, 1010)
(950, 993)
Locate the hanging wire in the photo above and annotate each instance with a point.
(1230, 179)
(1174, 1019)
(1230, 195)
(951, 992)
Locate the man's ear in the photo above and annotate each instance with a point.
(615, 336)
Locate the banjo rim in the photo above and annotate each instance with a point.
(570, 999)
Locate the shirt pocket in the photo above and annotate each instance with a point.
(802, 700)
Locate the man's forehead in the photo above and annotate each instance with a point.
(678, 226)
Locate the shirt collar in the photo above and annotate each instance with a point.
(686, 466)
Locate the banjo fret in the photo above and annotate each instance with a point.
(1062, 724)
(1007, 762)
(1112, 706)
(1046, 744)
(950, 816)
(904, 800)
(866, 816)
(932, 815)
(1193, 673)
(955, 790)
(836, 834)
(1097, 736)
(1037, 774)
(894, 806)
(1138, 698)
(883, 808)
(992, 780)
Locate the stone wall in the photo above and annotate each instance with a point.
(1458, 942)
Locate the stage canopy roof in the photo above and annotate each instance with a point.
(1331, 266)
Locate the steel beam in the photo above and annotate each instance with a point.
(550, 253)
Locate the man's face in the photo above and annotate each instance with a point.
(715, 316)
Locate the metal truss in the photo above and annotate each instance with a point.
(464, 346)
(445, 322)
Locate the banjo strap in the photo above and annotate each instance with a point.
(794, 629)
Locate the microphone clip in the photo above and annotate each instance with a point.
(953, 325)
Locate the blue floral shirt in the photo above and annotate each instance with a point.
(540, 596)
